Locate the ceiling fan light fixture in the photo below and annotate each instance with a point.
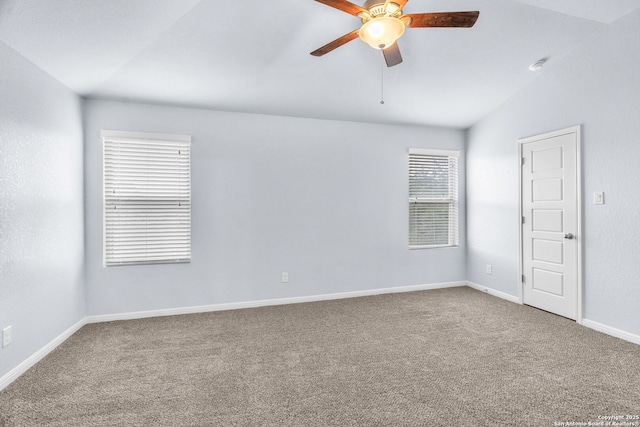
(381, 32)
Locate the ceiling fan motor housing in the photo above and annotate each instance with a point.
(377, 8)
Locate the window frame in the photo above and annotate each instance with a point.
(141, 203)
(451, 200)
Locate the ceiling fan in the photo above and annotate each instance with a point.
(383, 23)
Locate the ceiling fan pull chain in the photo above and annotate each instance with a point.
(382, 84)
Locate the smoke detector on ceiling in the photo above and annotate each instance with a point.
(538, 65)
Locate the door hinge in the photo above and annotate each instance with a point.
(523, 220)
(522, 161)
(523, 279)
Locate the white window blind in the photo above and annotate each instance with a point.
(147, 198)
(433, 198)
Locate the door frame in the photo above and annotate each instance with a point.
(580, 232)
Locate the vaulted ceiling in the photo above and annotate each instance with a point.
(253, 56)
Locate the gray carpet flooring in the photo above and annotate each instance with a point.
(450, 357)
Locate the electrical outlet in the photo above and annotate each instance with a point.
(285, 277)
(6, 336)
(489, 269)
(598, 198)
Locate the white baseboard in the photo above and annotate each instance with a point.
(40, 354)
(627, 336)
(266, 303)
(493, 292)
(618, 333)
(13, 374)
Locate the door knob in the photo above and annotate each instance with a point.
(569, 236)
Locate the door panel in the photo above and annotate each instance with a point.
(547, 220)
(546, 159)
(549, 282)
(545, 190)
(550, 209)
(548, 251)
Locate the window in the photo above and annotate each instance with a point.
(433, 198)
(147, 198)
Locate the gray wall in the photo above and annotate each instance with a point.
(597, 86)
(41, 208)
(325, 201)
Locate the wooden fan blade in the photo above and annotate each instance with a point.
(345, 6)
(336, 43)
(442, 19)
(392, 55)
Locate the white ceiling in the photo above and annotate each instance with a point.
(253, 56)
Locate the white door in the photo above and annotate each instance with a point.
(550, 222)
